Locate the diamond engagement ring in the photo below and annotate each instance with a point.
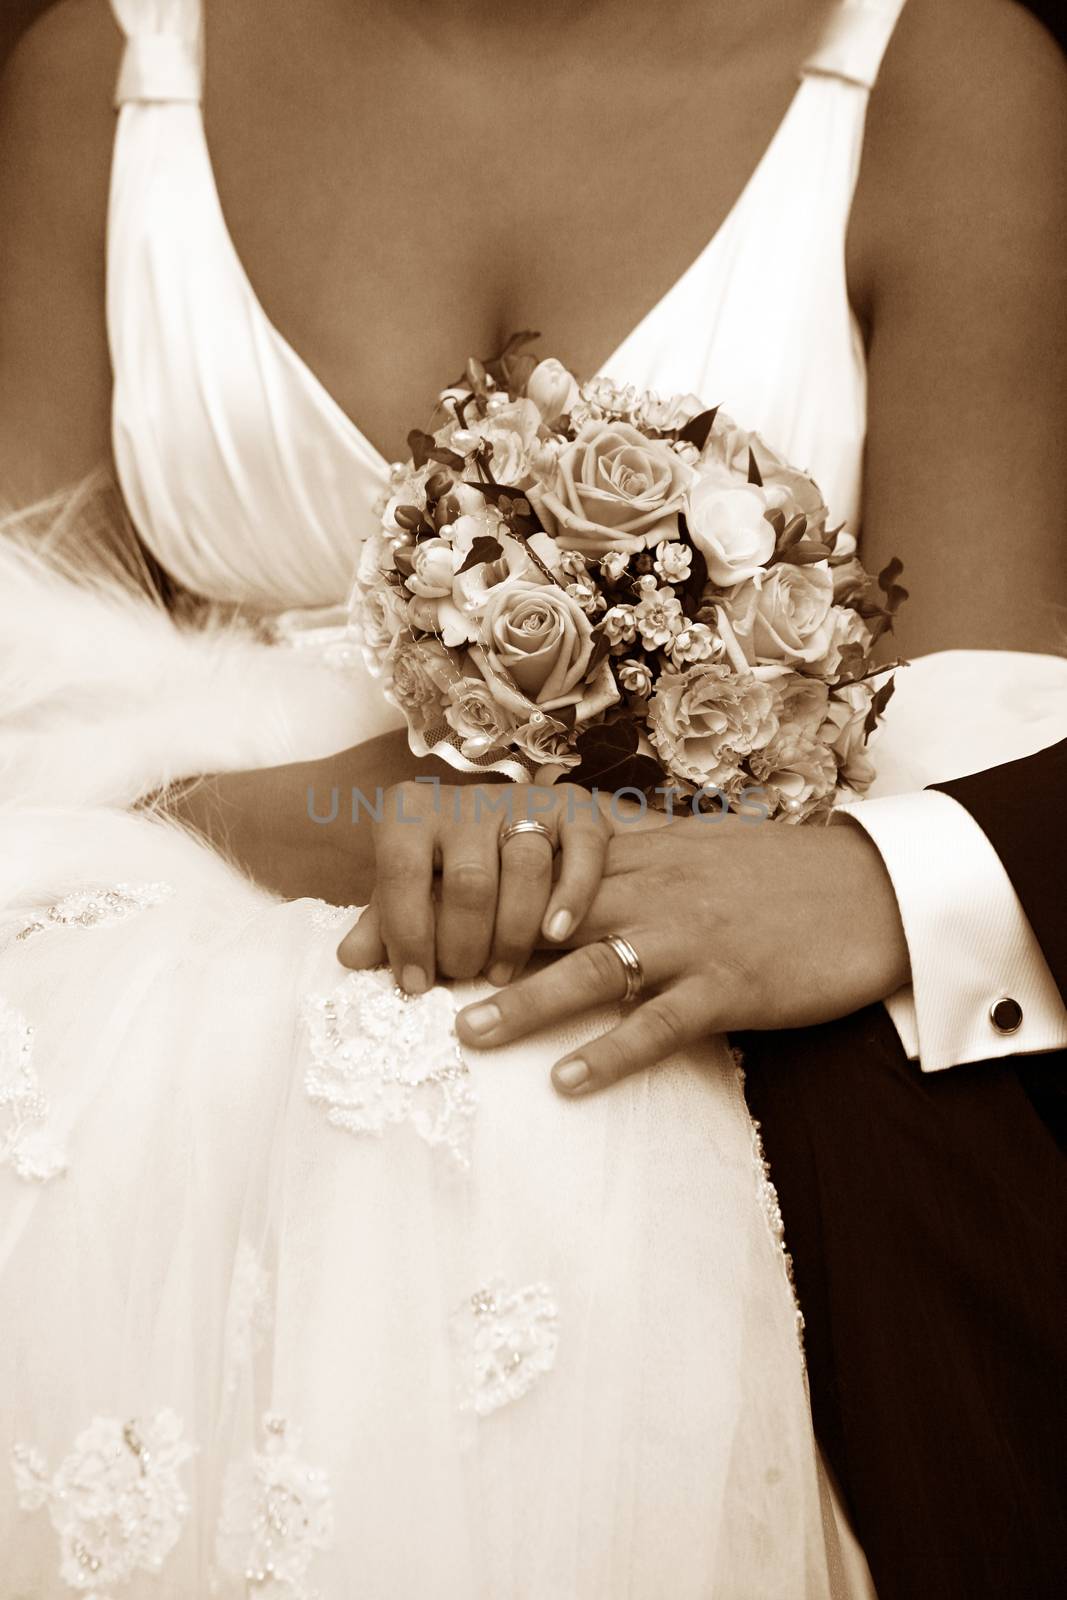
(631, 965)
(525, 826)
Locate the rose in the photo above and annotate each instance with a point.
(380, 619)
(481, 722)
(433, 564)
(615, 490)
(552, 389)
(705, 721)
(797, 771)
(546, 742)
(729, 528)
(538, 638)
(852, 583)
(843, 731)
(725, 456)
(458, 615)
(510, 431)
(784, 615)
(847, 630)
(421, 671)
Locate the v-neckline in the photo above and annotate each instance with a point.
(361, 443)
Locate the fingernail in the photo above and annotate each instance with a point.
(500, 974)
(413, 979)
(481, 1019)
(561, 925)
(571, 1076)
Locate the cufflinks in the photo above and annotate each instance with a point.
(1006, 1015)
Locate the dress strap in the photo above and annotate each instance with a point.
(163, 59)
(854, 41)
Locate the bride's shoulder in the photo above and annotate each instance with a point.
(965, 131)
(56, 129)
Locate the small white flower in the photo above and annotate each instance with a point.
(673, 561)
(620, 625)
(659, 616)
(573, 564)
(587, 595)
(634, 676)
(613, 565)
(694, 642)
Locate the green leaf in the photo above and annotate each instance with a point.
(890, 573)
(610, 759)
(447, 458)
(881, 699)
(692, 591)
(698, 428)
(806, 551)
(601, 647)
(422, 445)
(482, 549)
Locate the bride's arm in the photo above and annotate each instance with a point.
(306, 828)
(956, 267)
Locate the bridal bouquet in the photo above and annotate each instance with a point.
(631, 591)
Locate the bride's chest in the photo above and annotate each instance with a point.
(395, 215)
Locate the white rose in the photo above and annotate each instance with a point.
(847, 628)
(433, 564)
(729, 528)
(553, 390)
(784, 615)
(843, 733)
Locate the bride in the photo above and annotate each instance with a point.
(299, 1294)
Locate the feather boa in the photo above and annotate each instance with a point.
(106, 697)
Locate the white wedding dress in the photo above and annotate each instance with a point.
(295, 1298)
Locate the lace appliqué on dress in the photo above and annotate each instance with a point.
(25, 1145)
(772, 1211)
(250, 1315)
(325, 918)
(116, 1501)
(277, 1513)
(95, 907)
(380, 1056)
(506, 1340)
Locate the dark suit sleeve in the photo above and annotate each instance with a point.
(924, 1213)
(1020, 809)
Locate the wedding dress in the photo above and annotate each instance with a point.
(297, 1298)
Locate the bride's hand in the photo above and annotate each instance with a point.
(492, 901)
(737, 925)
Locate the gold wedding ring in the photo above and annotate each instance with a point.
(525, 826)
(633, 971)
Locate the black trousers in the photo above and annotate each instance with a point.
(925, 1216)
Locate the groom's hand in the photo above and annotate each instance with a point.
(737, 925)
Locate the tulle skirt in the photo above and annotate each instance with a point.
(298, 1298)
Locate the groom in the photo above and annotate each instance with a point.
(917, 1150)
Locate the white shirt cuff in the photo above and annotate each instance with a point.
(968, 937)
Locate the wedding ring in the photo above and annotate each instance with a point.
(525, 826)
(631, 965)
